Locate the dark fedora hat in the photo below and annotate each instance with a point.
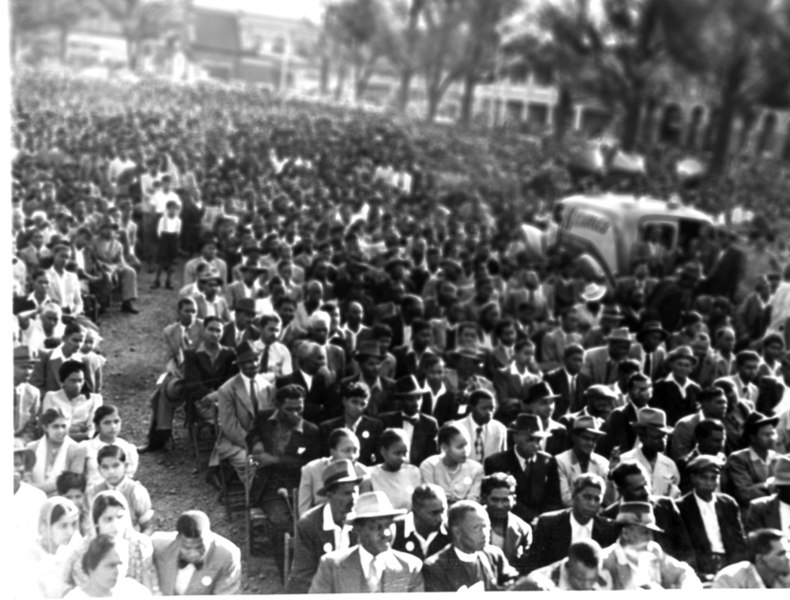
(246, 305)
(173, 390)
(408, 386)
(368, 348)
(756, 420)
(338, 471)
(651, 327)
(540, 391)
(682, 352)
(245, 351)
(530, 424)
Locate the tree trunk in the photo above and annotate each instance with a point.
(721, 144)
(564, 113)
(326, 65)
(404, 90)
(341, 80)
(467, 100)
(630, 132)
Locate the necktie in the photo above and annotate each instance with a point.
(253, 397)
(649, 365)
(183, 564)
(479, 446)
(265, 359)
(374, 577)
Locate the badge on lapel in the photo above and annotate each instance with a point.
(328, 547)
(365, 434)
(206, 581)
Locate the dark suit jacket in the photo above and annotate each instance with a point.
(368, 432)
(423, 440)
(558, 380)
(318, 405)
(618, 431)
(447, 407)
(726, 274)
(553, 537)
(229, 335)
(675, 539)
(411, 544)
(536, 491)
(729, 517)
(557, 442)
(405, 361)
(302, 447)
(397, 325)
(201, 377)
(444, 571)
(764, 512)
(311, 543)
(667, 397)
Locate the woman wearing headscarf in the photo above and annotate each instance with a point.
(104, 563)
(110, 515)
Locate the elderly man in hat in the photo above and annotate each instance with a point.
(240, 401)
(108, 254)
(27, 397)
(768, 565)
(677, 394)
(470, 562)
(748, 470)
(652, 431)
(372, 565)
(486, 435)
(773, 511)
(535, 471)
(421, 429)
(649, 348)
(556, 530)
(208, 256)
(64, 285)
(580, 458)
(637, 562)
(600, 401)
(600, 363)
(27, 499)
(712, 519)
(195, 561)
(323, 528)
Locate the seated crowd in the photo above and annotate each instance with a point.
(422, 408)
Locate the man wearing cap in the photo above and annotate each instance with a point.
(712, 519)
(486, 435)
(652, 431)
(649, 348)
(323, 528)
(27, 499)
(540, 402)
(240, 400)
(195, 561)
(599, 403)
(600, 363)
(581, 458)
(554, 342)
(710, 437)
(619, 433)
(555, 531)
(677, 394)
(469, 562)
(372, 565)
(422, 532)
(713, 405)
(748, 470)
(568, 381)
(64, 285)
(208, 256)
(773, 511)
(421, 429)
(768, 565)
(108, 253)
(637, 562)
(27, 397)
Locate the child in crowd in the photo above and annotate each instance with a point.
(107, 422)
(395, 476)
(73, 486)
(168, 230)
(451, 470)
(112, 468)
(342, 444)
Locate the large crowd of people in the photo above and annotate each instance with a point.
(417, 401)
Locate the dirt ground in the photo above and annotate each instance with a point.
(134, 348)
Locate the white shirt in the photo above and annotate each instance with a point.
(784, 517)
(308, 379)
(711, 522)
(160, 199)
(25, 511)
(579, 531)
(366, 559)
(425, 543)
(183, 578)
(683, 387)
(465, 556)
(342, 540)
(408, 429)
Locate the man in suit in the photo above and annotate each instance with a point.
(630, 479)
(555, 530)
(728, 270)
(281, 443)
(311, 373)
(421, 429)
(580, 459)
(241, 327)
(554, 342)
(713, 405)
(652, 431)
(638, 281)
(772, 511)
(64, 285)
(513, 382)
(535, 472)
(486, 435)
(676, 394)
(195, 561)
(748, 470)
(275, 356)
(568, 381)
(368, 356)
(408, 356)
(619, 433)
(323, 528)
(509, 533)
(649, 348)
(600, 363)
(355, 400)
(469, 562)
(422, 532)
(240, 400)
(371, 566)
(540, 402)
(712, 520)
